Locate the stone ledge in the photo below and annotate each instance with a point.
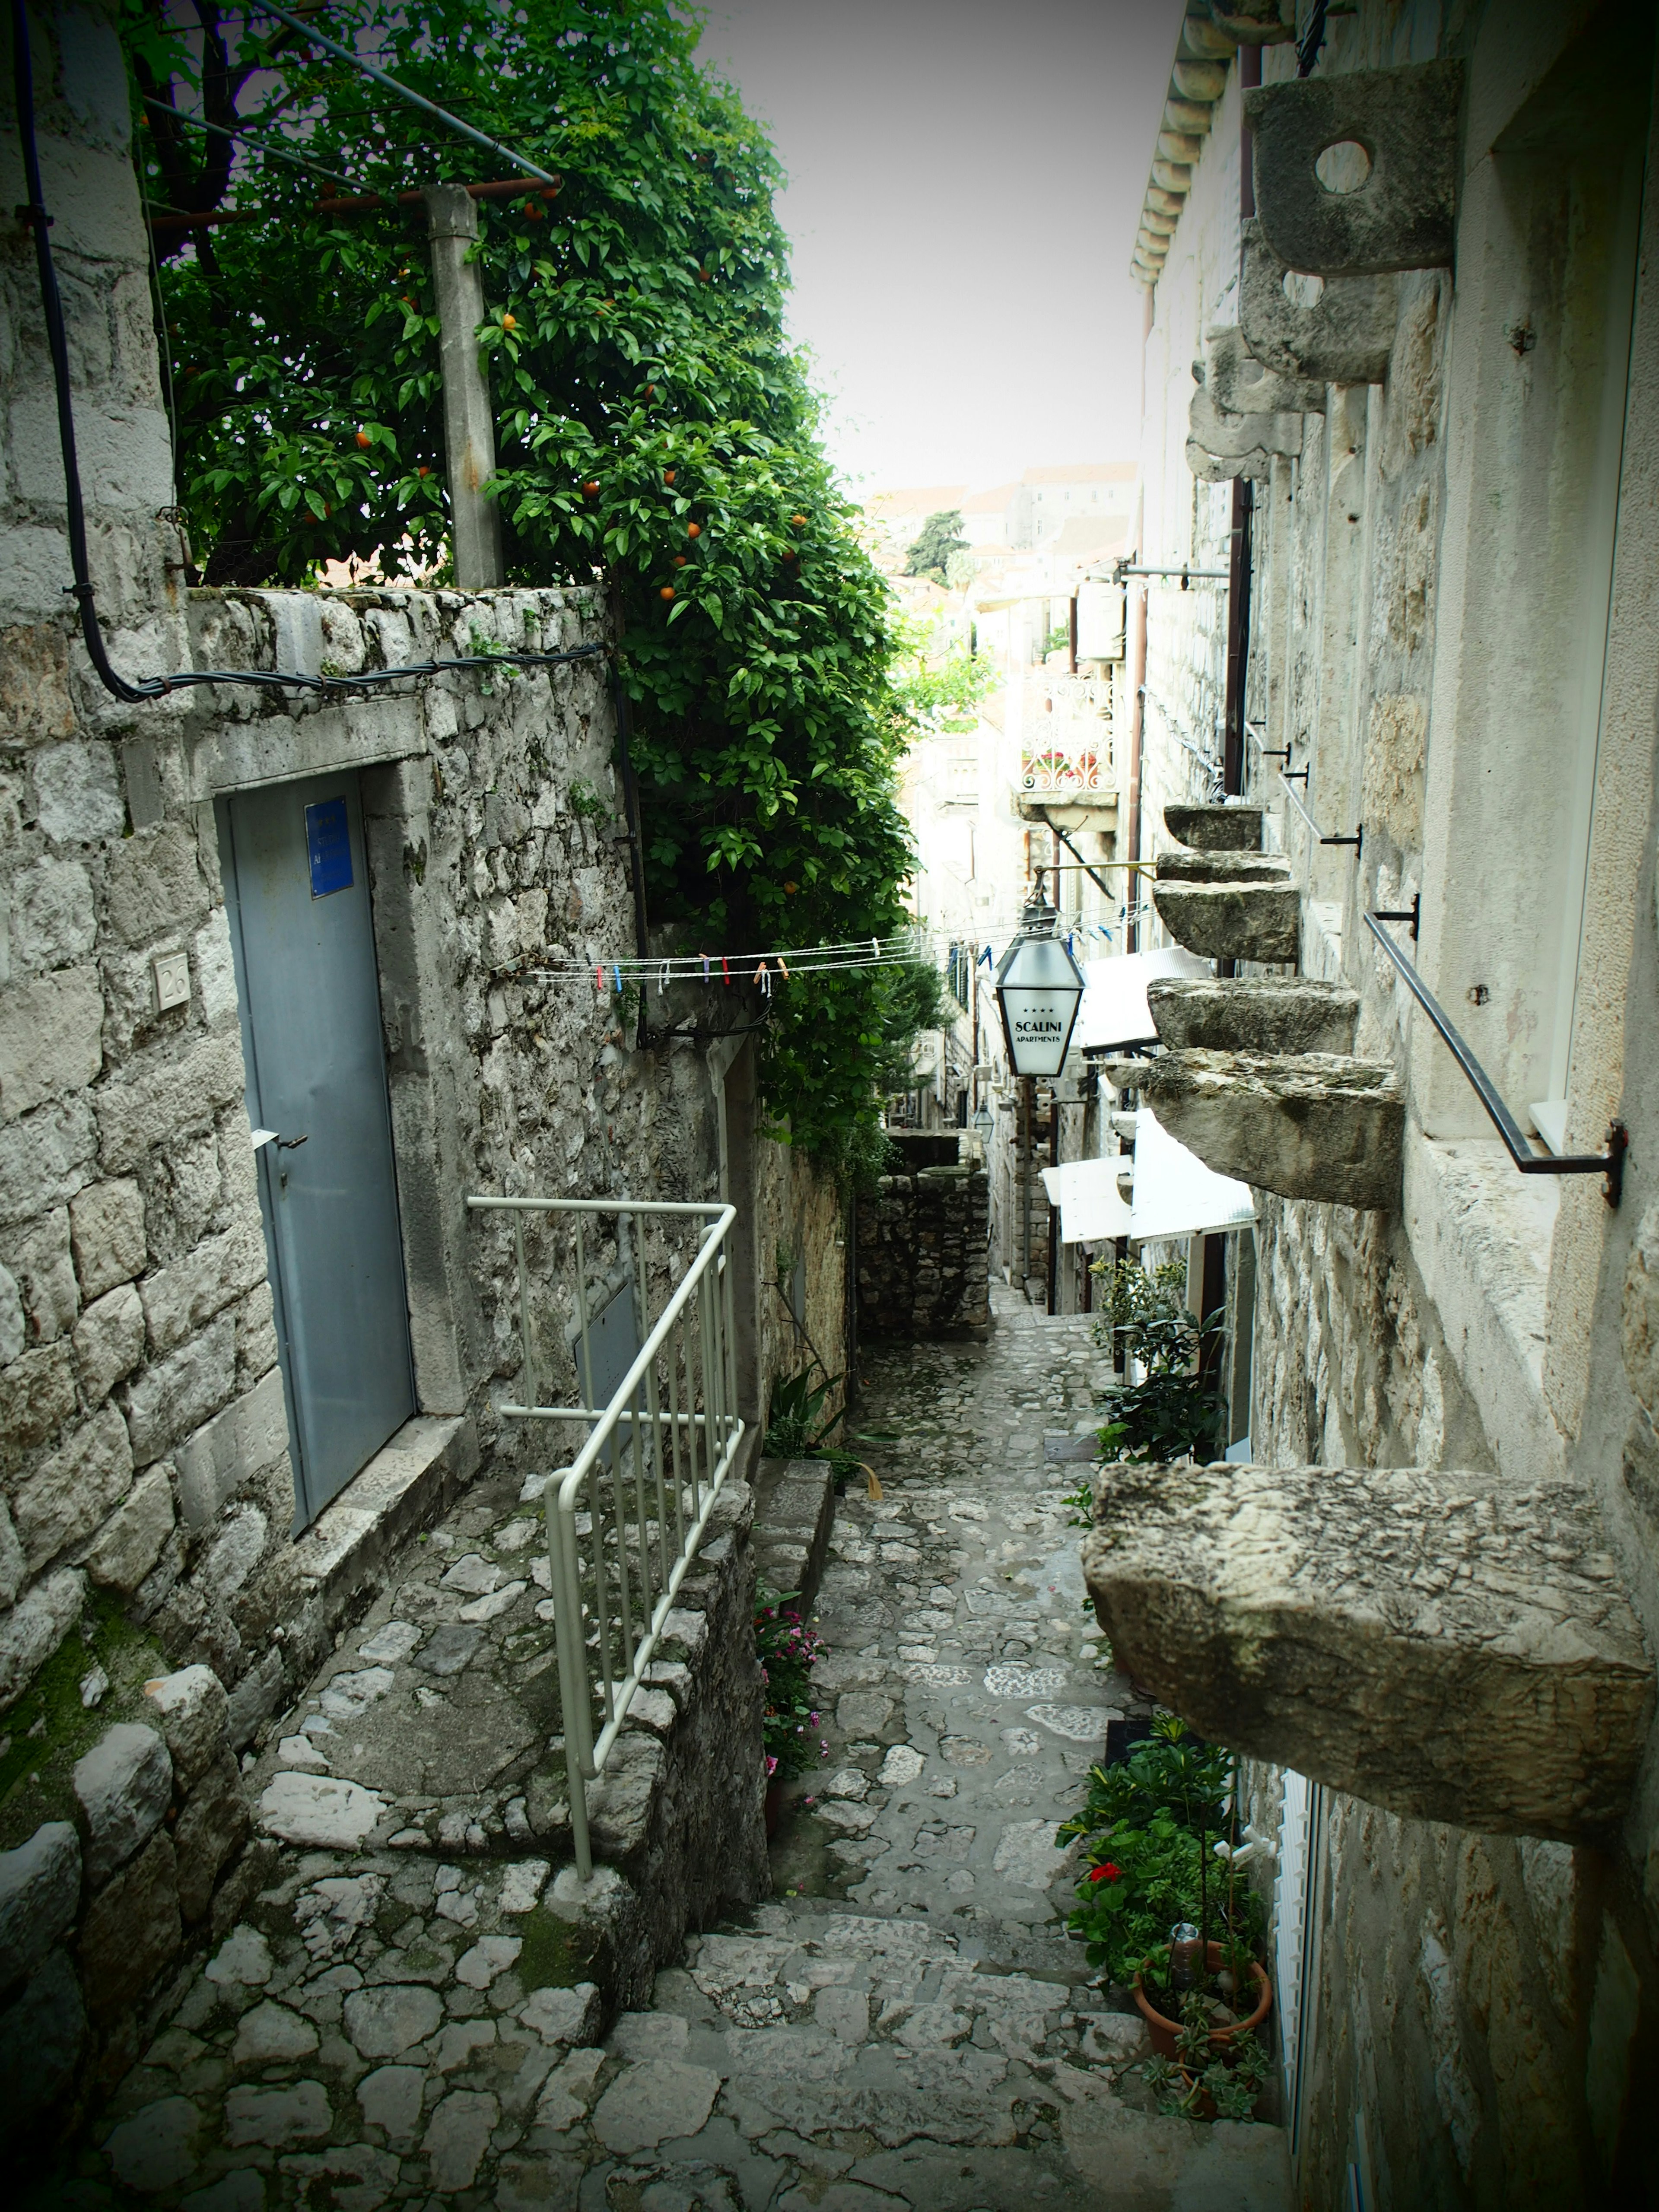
(1216, 828)
(794, 1515)
(1307, 1125)
(1257, 1013)
(1233, 921)
(1186, 867)
(1452, 1647)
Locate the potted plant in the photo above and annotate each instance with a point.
(787, 1650)
(1237, 2001)
(1200, 2088)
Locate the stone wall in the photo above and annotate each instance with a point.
(921, 1249)
(98, 1908)
(801, 1226)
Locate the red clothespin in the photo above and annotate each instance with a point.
(725, 969)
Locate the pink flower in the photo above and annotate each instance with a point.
(771, 1766)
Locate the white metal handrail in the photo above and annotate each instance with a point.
(644, 1481)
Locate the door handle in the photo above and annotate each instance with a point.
(292, 1144)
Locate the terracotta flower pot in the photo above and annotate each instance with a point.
(1164, 2031)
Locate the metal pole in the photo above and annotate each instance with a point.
(469, 417)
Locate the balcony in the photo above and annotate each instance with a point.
(1066, 758)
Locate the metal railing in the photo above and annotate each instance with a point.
(625, 1519)
(1610, 1163)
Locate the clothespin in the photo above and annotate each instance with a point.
(985, 959)
(782, 970)
(599, 981)
(617, 972)
(705, 967)
(763, 978)
(726, 967)
(875, 947)
(662, 981)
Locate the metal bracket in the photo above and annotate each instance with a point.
(1413, 913)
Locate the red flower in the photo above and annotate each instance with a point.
(1106, 1872)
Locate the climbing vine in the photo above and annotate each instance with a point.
(655, 432)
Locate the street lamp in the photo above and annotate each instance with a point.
(1038, 987)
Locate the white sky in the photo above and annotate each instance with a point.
(965, 181)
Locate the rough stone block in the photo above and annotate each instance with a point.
(45, 1158)
(1392, 798)
(109, 1342)
(39, 1896)
(37, 1257)
(1241, 384)
(123, 1785)
(191, 1710)
(41, 2037)
(1256, 1013)
(51, 1038)
(248, 1436)
(132, 1930)
(1307, 1125)
(12, 1570)
(1227, 436)
(11, 1318)
(106, 1235)
(35, 1628)
(1216, 828)
(74, 1489)
(169, 1399)
(1233, 921)
(129, 1542)
(184, 1298)
(1189, 867)
(165, 1103)
(212, 1827)
(1639, 1317)
(77, 795)
(53, 921)
(1451, 1646)
(155, 884)
(37, 1396)
(36, 706)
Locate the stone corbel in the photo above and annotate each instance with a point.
(1253, 22)
(1216, 828)
(1401, 213)
(1253, 1013)
(1448, 1646)
(1233, 921)
(1239, 384)
(1335, 330)
(1314, 1125)
(1185, 867)
(1221, 445)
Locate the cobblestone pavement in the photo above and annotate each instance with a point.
(904, 2024)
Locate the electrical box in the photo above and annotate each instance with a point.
(171, 974)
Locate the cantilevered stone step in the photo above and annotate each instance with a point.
(1253, 1013)
(1233, 921)
(1188, 867)
(1450, 1646)
(1216, 828)
(1307, 1125)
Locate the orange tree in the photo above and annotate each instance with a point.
(656, 431)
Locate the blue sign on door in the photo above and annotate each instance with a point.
(328, 842)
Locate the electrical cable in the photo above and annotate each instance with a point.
(415, 99)
(34, 214)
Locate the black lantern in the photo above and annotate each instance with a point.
(1039, 986)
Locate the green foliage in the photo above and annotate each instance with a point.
(913, 1002)
(1172, 1410)
(793, 1427)
(585, 803)
(655, 431)
(941, 536)
(788, 1651)
(1151, 1824)
(938, 682)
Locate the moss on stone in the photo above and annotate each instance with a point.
(49, 1728)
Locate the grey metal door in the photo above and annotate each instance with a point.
(297, 890)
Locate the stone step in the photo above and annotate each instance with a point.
(794, 1514)
(1317, 1125)
(1233, 921)
(1216, 828)
(1188, 867)
(1449, 1646)
(1256, 1013)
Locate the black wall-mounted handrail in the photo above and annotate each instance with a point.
(1610, 1163)
(1286, 776)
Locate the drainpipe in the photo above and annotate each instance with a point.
(469, 418)
(1138, 657)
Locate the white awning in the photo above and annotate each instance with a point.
(1174, 1194)
(1092, 1210)
(1114, 1012)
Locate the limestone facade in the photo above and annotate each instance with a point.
(1426, 568)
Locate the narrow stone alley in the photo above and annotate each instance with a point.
(904, 2023)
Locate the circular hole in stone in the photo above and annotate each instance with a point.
(1303, 291)
(1343, 168)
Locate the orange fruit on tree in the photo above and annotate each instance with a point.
(694, 530)
(679, 560)
(591, 486)
(509, 322)
(364, 440)
(798, 521)
(668, 475)
(667, 591)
